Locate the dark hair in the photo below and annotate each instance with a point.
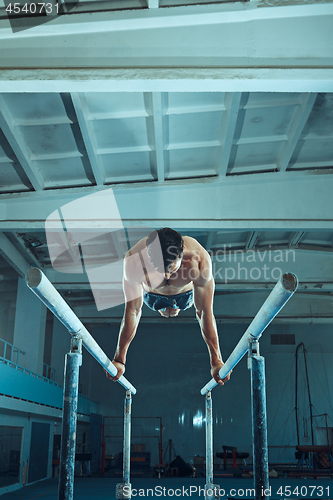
(172, 246)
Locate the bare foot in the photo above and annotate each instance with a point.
(165, 313)
(174, 313)
(169, 312)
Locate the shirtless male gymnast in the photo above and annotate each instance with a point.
(169, 273)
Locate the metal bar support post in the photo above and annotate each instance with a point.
(256, 364)
(73, 362)
(209, 439)
(123, 490)
(211, 490)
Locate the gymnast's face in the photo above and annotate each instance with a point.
(172, 268)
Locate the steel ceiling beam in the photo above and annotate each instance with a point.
(81, 110)
(13, 256)
(296, 128)
(232, 103)
(14, 137)
(155, 130)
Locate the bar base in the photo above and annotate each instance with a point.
(123, 491)
(212, 491)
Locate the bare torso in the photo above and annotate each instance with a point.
(194, 270)
(179, 282)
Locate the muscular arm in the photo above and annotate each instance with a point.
(203, 301)
(129, 324)
(133, 305)
(203, 289)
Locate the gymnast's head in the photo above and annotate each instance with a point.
(165, 249)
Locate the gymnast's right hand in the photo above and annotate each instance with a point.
(121, 370)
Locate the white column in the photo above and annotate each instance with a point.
(29, 328)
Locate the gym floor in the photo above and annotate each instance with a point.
(105, 488)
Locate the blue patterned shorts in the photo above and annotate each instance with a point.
(158, 302)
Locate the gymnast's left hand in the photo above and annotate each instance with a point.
(121, 370)
(215, 373)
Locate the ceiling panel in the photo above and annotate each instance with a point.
(198, 127)
(192, 162)
(65, 140)
(267, 238)
(315, 146)
(230, 239)
(120, 133)
(72, 170)
(313, 152)
(320, 122)
(193, 102)
(49, 139)
(10, 179)
(33, 108)
(254, 157)
(129, 103)
(127, 166)
(12, 175)
(322, 238)
(258, 99)
(266, 121)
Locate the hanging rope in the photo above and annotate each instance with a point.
(322, 387)
(302, 346)
(303, 405)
